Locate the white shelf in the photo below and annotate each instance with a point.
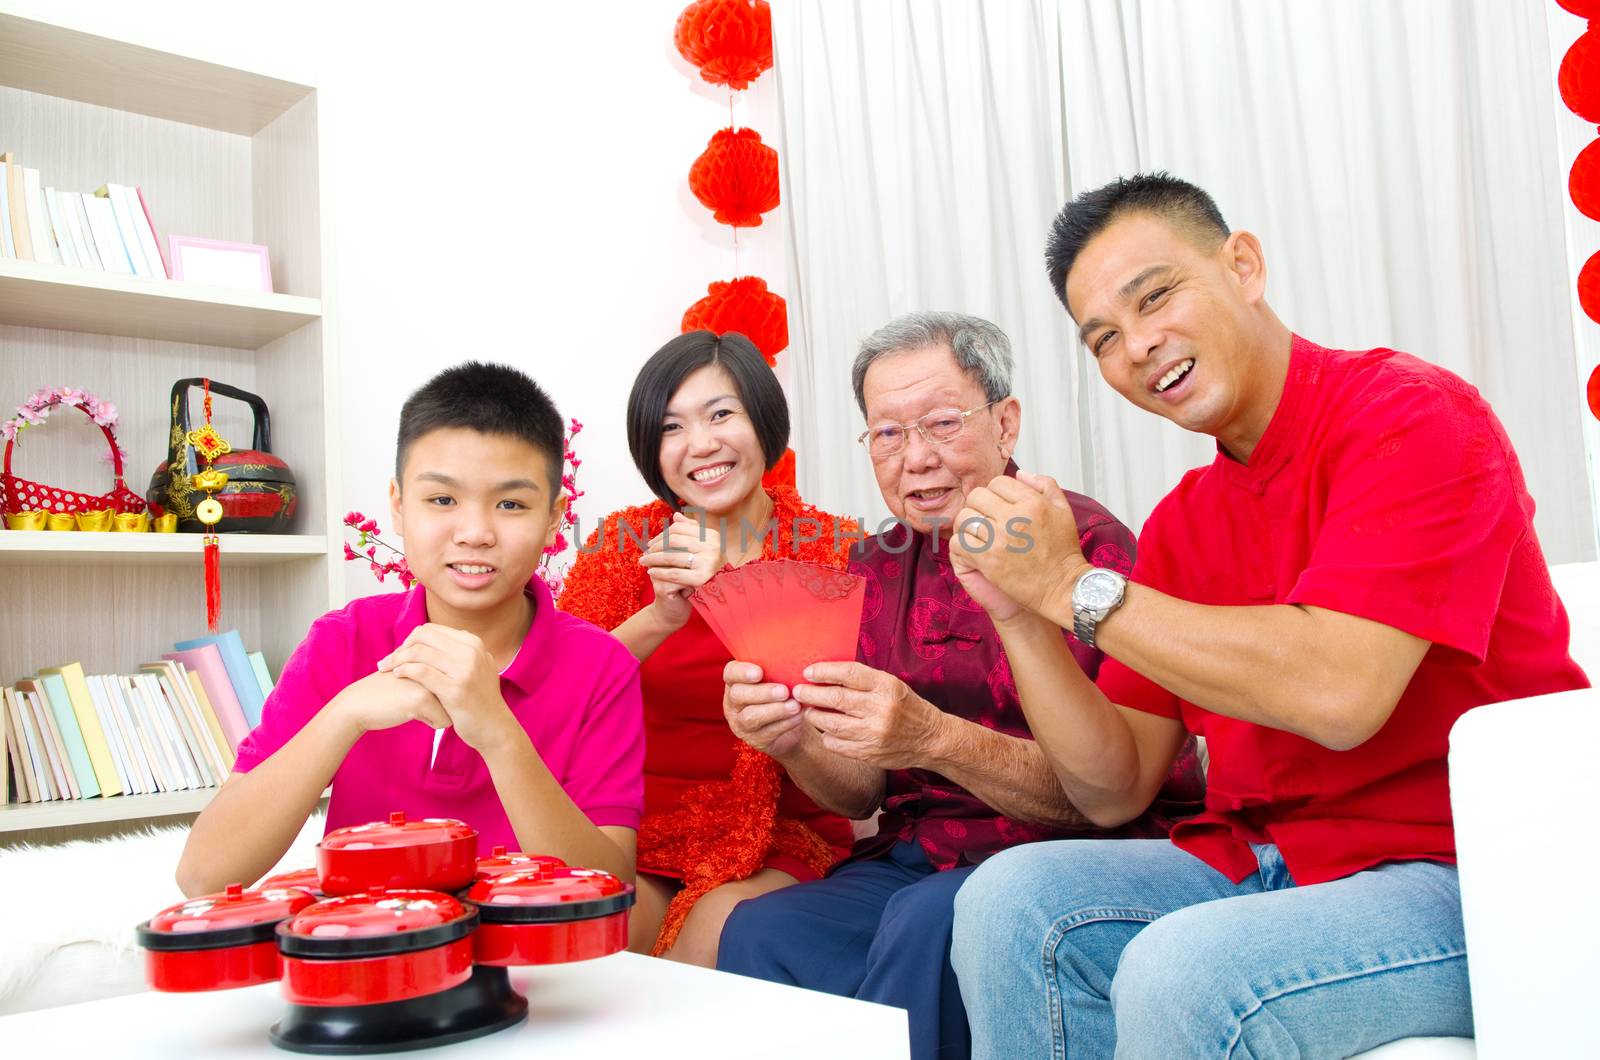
(14, 817)
(41, 295)
(73, 548)
(69, 64)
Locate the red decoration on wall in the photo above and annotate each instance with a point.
(1583, 184)
(736, 177)
(746, 306)
(1594, 391)
(729, 41)
(782, 473)
(1579, 77)
(1581, 8)
(1589, 288)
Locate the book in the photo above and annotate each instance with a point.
(107, 239)
(191, 728)
(161, 737)
(206, 661)
(258, 663)
(199, 692)
(60, 772)
(171, 728)
(80, 227)
(94, 739)
(150, 223)
(246, 685)
(44, 247)
(118, 737)
(52, 692)
(144, 735)
(18, 203)
(17, 747)
(8, 245)
(38, 766)
(58, 227)
(143, 230)
(130, 235)
(81, 245)
(201, 744)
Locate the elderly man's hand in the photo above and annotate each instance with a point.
(870, 716)
(1033, 555)
(762, 715)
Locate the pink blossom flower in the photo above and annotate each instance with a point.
(105, 414)
(370, 526)
(349, 553)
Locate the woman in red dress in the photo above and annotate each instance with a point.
(722, 822)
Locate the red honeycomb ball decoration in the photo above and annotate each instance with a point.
(1583, 183)
(1579, 77)
(728, 41)
(736, 177)
(746, 306)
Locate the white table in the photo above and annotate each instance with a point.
(619, 1006)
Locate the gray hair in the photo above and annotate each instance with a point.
(981, 349)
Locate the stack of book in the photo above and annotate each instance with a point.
(109, 229)
(173, 726)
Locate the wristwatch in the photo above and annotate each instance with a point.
(1096, 595)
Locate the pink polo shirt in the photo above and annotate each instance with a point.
(574, 688)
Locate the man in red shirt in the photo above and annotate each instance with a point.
(1355, 570)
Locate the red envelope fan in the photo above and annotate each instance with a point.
(783, 615)
(218, 942)
(550, 916)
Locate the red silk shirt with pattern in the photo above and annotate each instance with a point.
(1384, 487)
(919, 624)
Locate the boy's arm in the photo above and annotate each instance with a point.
(543, 815)
(257, 814)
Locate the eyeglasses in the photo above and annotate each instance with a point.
(936, 428)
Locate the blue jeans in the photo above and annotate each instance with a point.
(878, 930)
(1133, 948)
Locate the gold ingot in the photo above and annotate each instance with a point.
(94, 522)
(167, 523)
(210, 480)
(209, 511)
(29, 520)
(61, 521)
(131, 522)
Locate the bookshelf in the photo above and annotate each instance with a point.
(219, 152)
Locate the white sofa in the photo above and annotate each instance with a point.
(1519, 775)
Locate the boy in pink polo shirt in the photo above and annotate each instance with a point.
(468, 696)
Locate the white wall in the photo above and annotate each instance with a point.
(505, 182)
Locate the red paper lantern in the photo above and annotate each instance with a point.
(1583, 183)
(1589, 288)
(782, 473)
(746, 306)
(1581, 8)
(729, 41)
(1579, 77)
(1594, 391)
(736, 177)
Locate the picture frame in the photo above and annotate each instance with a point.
(219, 263)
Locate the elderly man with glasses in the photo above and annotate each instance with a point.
(927, 724)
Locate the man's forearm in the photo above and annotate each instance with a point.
(1009, 774)
(838, 784)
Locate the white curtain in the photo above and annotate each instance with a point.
(1398, 161)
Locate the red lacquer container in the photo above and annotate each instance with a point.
(501, 861)
(549, 915)
(370, 949)
(219, 941)
(306, 879)
(436, 854)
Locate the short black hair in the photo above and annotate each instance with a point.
(665, 372)
(1180, 203)
(490, 399)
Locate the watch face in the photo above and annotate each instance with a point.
(1097, 590)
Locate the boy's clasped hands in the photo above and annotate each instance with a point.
(442, 677)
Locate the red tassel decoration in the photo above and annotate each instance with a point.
(213, 584)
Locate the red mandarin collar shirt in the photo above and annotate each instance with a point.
(1384, 487)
